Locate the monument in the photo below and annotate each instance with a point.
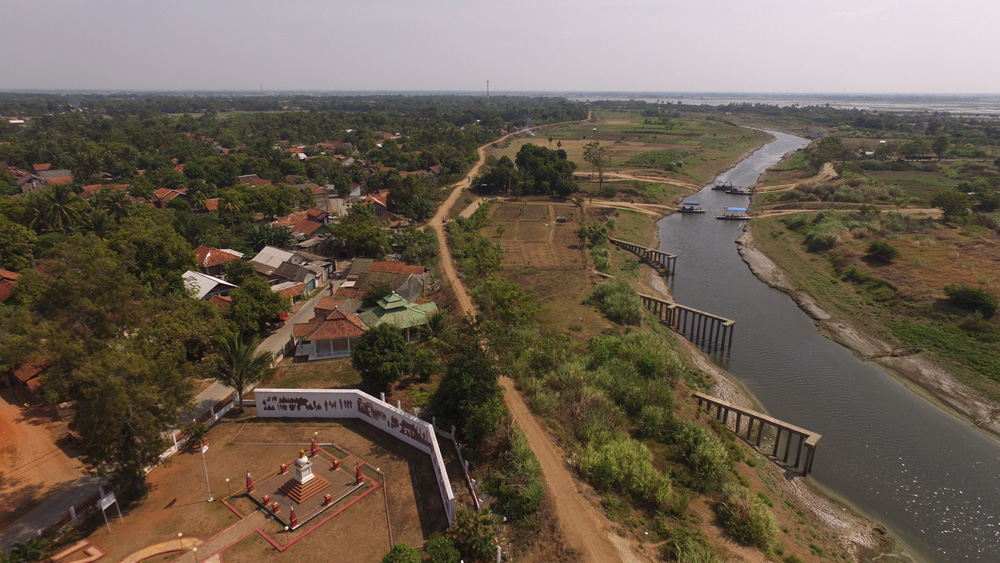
(304, 484)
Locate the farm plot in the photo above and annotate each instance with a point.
(538, 235)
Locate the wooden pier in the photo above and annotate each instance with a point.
(664, 262)
(806, 438)
(709, 332)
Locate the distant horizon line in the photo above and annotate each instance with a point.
(576, 93)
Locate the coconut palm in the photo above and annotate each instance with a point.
(115, 202)
(239, 365)
(266, 234)
(56, 209)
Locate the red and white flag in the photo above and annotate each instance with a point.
(204, 446)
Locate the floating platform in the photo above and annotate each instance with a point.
(734, 214)
(740, 190)
(722, 186)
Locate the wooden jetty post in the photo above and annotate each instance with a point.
(664, 262)
(708, 331)
(806, 438)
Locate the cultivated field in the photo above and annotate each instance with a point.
(532, 238)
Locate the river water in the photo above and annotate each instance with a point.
(930, 478)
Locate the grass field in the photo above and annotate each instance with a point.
(704, 146)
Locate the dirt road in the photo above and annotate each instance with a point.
(584, 528)
(32, 466)
(825, 173)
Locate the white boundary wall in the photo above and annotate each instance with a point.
(351, 403)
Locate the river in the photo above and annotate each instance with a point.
(929, 477)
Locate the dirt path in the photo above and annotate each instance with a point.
(825, 173)
(634, 175)
(31, 464)
(584, 528)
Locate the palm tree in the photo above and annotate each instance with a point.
(115, 201)
(238, 365)
(57, 209)
(266, 234)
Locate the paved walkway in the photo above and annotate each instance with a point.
(212, 548)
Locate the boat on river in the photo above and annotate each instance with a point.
(741, 190)
(722, 186)
(734, 214)
(690, 207)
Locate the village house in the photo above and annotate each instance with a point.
(331, 333)
(204, 287)
(304, 224)
(212, 261)
(8, 280)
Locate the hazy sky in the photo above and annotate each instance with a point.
(827, 46)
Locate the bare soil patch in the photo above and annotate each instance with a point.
(37, 454)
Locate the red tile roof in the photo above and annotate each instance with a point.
(212, 204)
(300, 223)
(92, 189)
(221, 301)
(166, 194)
(59, 180)
(8, 280)
(290, 292)
(350, 293)
(27, 373)
(208, 257)
(396, 268)
(41, 167)
(335, 324)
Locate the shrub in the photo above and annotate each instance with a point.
(656, 422)
(819, 242)
(796, 222)
(882, 251)
(518, 486)
(618, 301)
(442, 550)
(706, 455)
(626, 466)
(747, 519)
(473, 534)
(401, 553)
(972, 298)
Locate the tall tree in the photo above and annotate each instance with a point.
(125, 400)
(597, 157)
(239, 365)
(254, 304)
(381, 356)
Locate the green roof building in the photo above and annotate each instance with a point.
(399, 312)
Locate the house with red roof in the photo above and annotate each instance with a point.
(304, 224)
(29, 373)
(212, 261)
(163, 195)
(8, 280)
(331, 333)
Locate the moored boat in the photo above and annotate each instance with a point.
(723, 186)
(690, 207)
(740, 190)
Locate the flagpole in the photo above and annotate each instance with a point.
(208, 486)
